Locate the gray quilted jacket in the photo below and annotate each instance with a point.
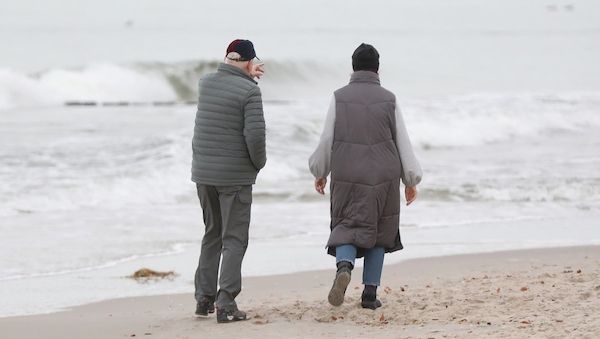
(229, 133)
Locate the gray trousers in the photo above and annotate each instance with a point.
(226, 213)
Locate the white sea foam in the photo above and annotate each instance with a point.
(145, 83)
(99, 82)
(114, 156)
(483, 118)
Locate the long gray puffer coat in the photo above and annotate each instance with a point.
(365, 167)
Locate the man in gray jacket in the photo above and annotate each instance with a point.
(365, 147)
(228, 152)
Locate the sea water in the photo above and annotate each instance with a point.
(501, 100)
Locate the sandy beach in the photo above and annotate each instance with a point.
(550, 293)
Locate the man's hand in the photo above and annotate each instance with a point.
(257, 70)
(320, 185)
(411, 194)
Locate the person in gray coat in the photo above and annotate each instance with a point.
(365, 147)
(228, 152)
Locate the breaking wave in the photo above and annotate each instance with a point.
(138, 82)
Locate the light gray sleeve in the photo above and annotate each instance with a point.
(320, 161)
(411, 169)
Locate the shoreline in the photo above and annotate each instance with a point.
(48, 294)
(420, 297)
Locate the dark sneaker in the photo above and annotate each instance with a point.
(370, 301)
(205, 306)
(338, 290)
(227, 315)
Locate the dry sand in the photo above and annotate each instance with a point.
(546, 293)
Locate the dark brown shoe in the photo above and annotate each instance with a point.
(370, 301)
(340, 284)
(205, 306)
(228, 315)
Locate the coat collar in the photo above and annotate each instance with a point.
(365, 76)
(225, 68)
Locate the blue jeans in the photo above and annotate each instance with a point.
(373, 261)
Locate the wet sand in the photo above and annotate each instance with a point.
(548, 293)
